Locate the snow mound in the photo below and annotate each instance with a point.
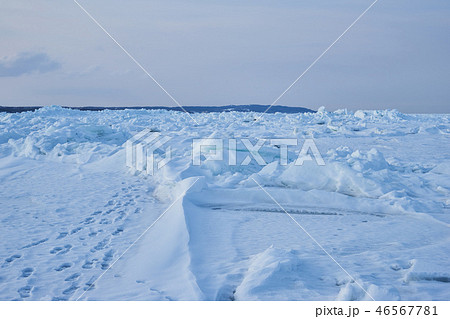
(342, 174)
(58, 133)
(274, 274)
(60, 140)
(364, 175)
(352, 173)
(381, 115)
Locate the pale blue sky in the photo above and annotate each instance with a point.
(227, 52)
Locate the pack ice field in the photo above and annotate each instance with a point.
(71, 209)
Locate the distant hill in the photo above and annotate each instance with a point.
(190, 109)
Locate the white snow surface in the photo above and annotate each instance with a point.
(380, 207)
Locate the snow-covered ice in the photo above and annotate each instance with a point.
(380, 206)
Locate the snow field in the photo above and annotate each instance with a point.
(70, 207)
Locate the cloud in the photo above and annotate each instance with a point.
(26, 63)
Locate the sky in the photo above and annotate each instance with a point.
(210, 52)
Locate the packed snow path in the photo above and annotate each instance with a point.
(69, 207)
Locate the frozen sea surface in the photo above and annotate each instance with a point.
(380, 207)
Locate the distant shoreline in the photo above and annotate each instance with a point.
(190, 109)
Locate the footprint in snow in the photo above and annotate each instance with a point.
(25, 292)
(36, 243)
(107, 259)
(89, 264)
(61, 250)
(27, 272)
(62, 235)
(118, 231)
(110, 203)
(101, 245)
(59, 299)
(11, 259)
(121, 216)
(90, 285)
(63, 266)
(70, 291)
(73, 277)
(75, 230)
